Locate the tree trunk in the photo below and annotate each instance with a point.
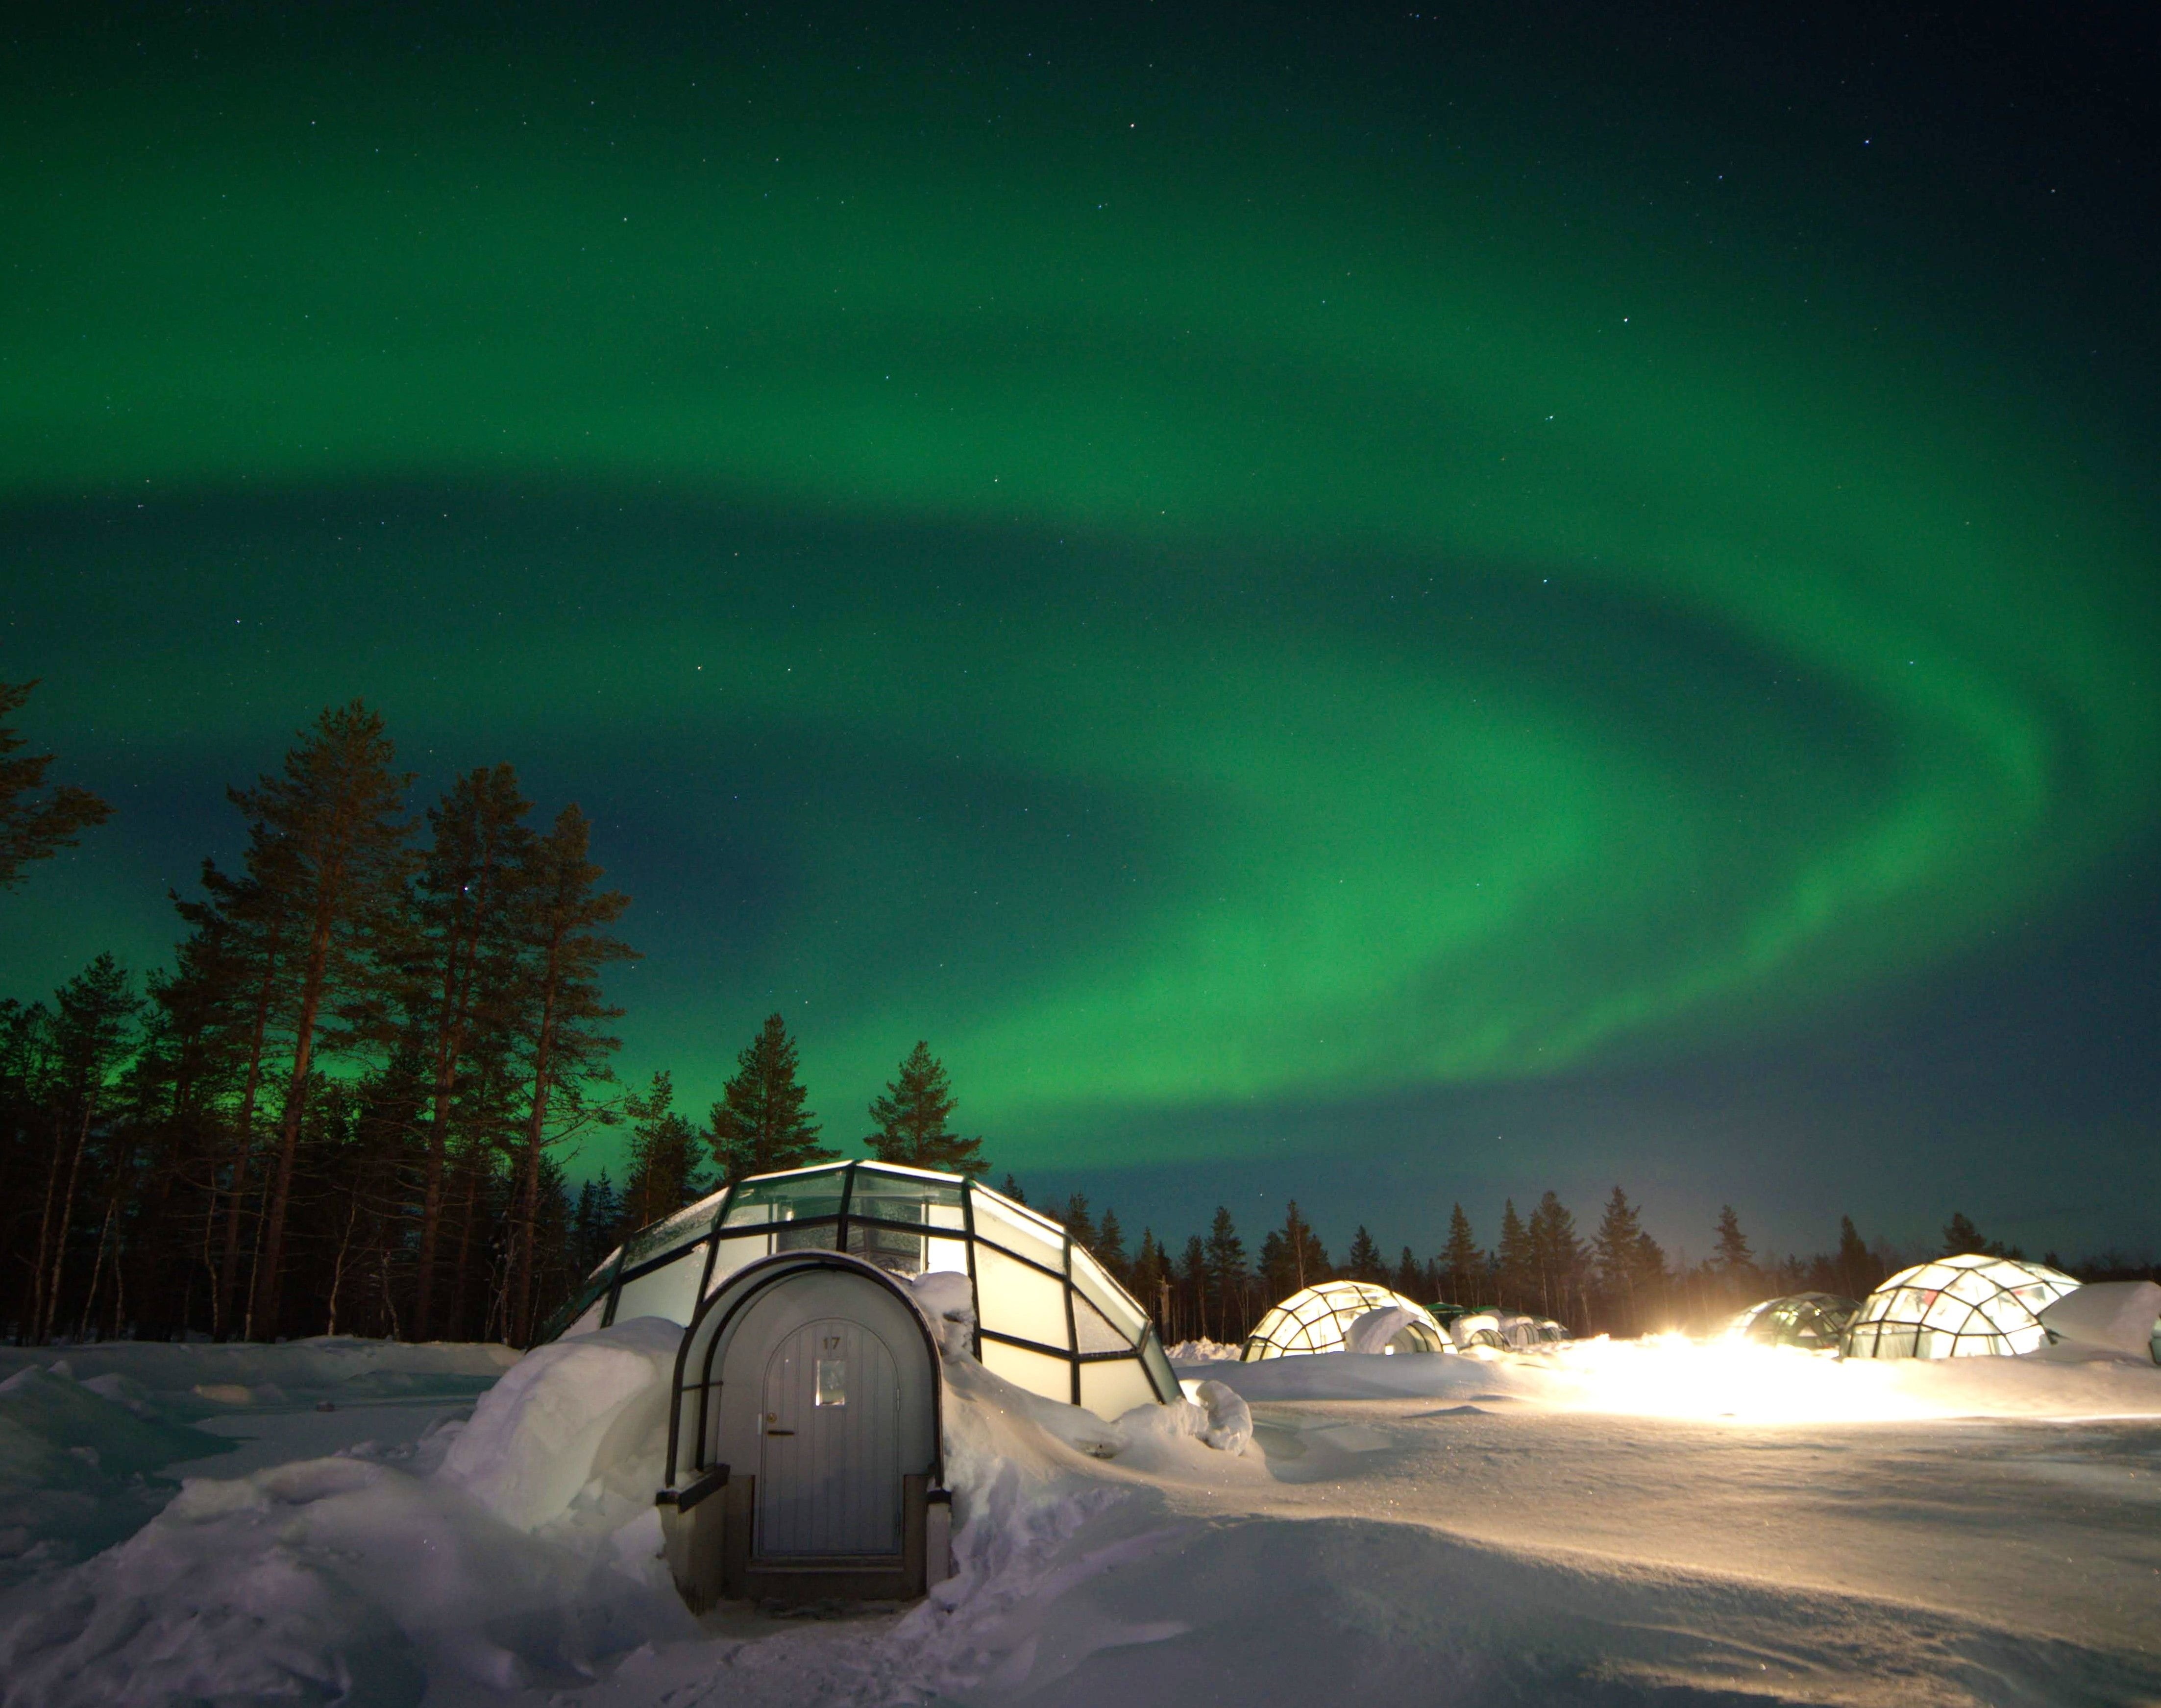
(268, 1277)
(528, 1171)
(449, 1047)
(67, 1218)
(28, 1332)
(229, 1269)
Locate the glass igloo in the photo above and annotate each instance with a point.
(1049, 1316)
(1813, 1321)
(1964, 1307)
(1319, 1319)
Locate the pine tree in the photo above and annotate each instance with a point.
(1961, 1237)
(1193, 1288)
(90, 1034)
(327, 851)
(760, 1126)
(1226, 1274)
(1461, 1260)
(1516, 1258)
(32, 829)
(910, 1120)
(1616, 1247)
(1364, 1262)
(595, 1223)
(1078, 1222)
(1729, 1254)
(1109, 1246)
(1293, 1257)
(241, 941)
(1411, 1279)
(1557, 1254)
(1151, 1275)
(665, 1173)
(1856, 1268)
(462, 929)
(1010, 1189)
(564, 916)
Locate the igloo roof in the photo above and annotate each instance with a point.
(1807, 1320)
(1317, 1319)
(1049, 1316)
(1963, 1307)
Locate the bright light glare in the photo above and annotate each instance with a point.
(1671, 1376)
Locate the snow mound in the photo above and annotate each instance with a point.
(1204, 1352)
(327, 1580)
(75, 1464)
(584, 1416)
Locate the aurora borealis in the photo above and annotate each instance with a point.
(1271, 590)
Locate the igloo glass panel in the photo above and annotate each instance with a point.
(1098, 1289)
(670, 1291)
(893, 1197)
(787, 1198)
(1013, 1298)
(896, 1253)
(693, 1222)
(940, 1255)
(1092, 1331)
(1037, 1371)
(1113, 1388)
(1019, 1232)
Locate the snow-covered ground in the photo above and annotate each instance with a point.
(1601, 1523)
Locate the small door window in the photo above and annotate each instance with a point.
(833, 1381)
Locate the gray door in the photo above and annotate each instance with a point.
(829, 1464)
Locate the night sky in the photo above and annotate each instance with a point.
(1383, 606)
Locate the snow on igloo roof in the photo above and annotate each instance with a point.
(1963, 1307)
(1319, 1319)
(1049, 1316)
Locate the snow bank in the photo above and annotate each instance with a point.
(329, 1581)
(583, 1417)
(296, 1372)
(77, 1464)
(1204, 1352)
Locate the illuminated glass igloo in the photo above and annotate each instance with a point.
(1320, 1318)
(1815, 1321)
(1964, 1307)
(1048, 1317)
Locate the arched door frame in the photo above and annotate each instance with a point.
(746, 1284)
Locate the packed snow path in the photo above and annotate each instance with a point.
(1603, 1525)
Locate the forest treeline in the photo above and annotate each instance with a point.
(344, 1107)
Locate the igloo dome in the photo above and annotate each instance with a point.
(1813, 1321)
(1049, 1316)
(1964, 1307)
(1320, 1320)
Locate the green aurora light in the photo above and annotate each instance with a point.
(1448, 631)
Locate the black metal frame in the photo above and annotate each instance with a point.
(841, 1221)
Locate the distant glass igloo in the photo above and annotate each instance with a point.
(1815, 1321)
(1319, 1318)
(1048, 1317)
(1964, 1307)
